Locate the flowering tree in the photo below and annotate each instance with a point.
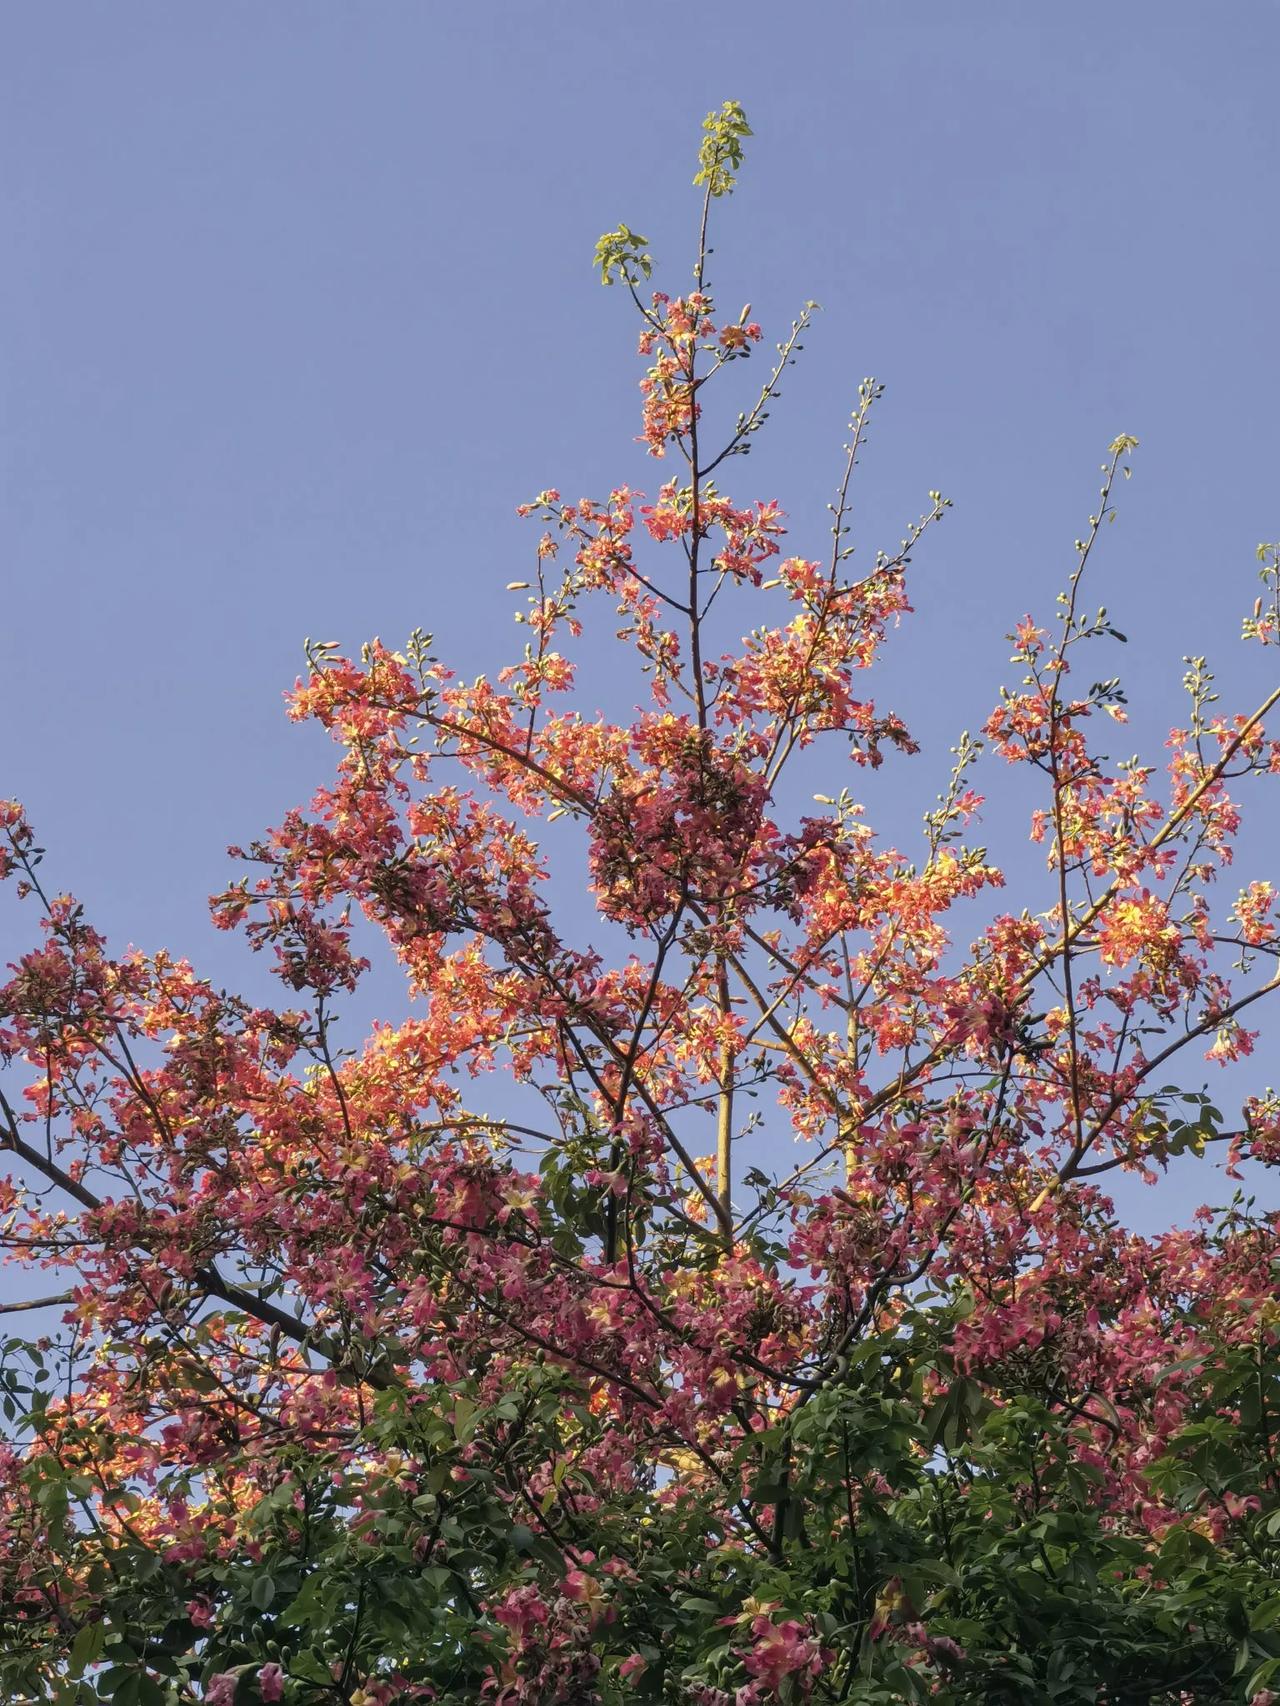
(475, 1363)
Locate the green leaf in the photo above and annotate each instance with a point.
(87, 1647)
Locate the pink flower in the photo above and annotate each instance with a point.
(271, 1682)
(1237, 1507)
(782, 1650)
(585, 1590)
(522, 1611)
(635, 1666)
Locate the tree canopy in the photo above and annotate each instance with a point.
(708, 1293)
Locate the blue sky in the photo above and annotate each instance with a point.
(297, 305)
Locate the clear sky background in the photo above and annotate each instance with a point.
(296, 304)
